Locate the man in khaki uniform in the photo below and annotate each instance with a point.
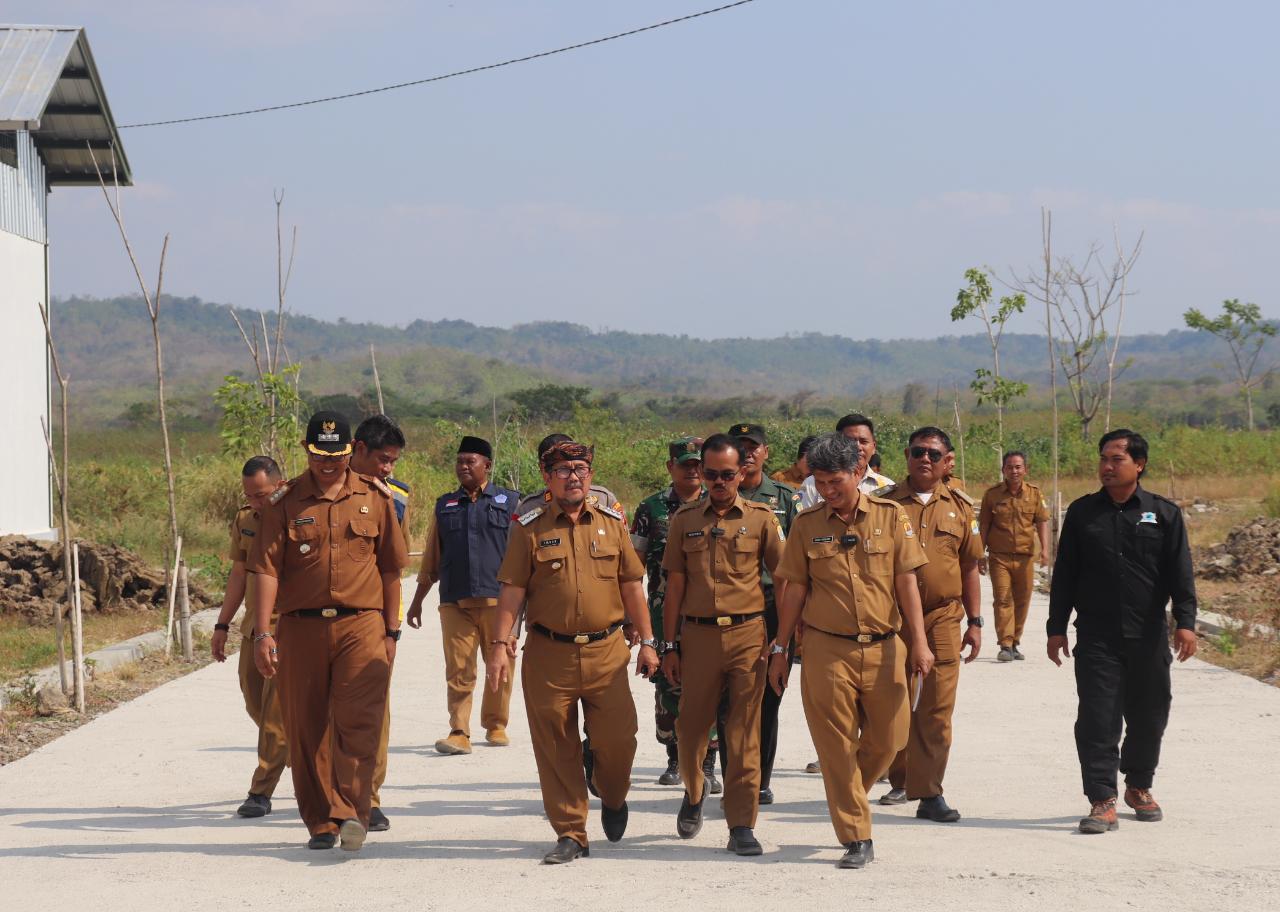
(575, 566)
(260, 478)
(1013, 517)
(714, 585)
(329, 554)
(949, 595)
(849, 567)
(795, 474)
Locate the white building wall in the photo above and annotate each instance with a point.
(24, 377)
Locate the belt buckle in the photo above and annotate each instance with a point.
(724, 620)
(864, 638)
(328, 612)
(582, 638)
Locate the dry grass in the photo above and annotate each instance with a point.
(25, 648)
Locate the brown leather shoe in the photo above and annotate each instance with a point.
(456, 743)
(1102, 817)
(1144, 806)
(497, 737)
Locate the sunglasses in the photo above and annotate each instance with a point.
(919, 452)
(723, 474)
(564, 472)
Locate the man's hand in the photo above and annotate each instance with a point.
(671, 667)
(218, 646)
(265, 657)
(511, 644)
(779, 671)
(973, 639)
(1044, 560)
(982, 566)
(413, 617)
(921, 660)
(496, 665)
(631, 633)
(646, 662)
(1055, 645)
(1186, 643)
(391, 650)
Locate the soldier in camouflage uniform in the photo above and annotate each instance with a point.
(649, 537)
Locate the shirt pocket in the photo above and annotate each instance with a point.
(744, 555)
(362, 538)
(876, 549)
(946, 536)
(499, 518)
(605, 557)
(696, 555)
(1147, 542)
(551, 565)
(304, 545)
(823, 563)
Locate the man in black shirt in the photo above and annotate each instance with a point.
(1123, 556)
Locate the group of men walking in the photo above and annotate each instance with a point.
(876, 583)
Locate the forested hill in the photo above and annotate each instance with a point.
(106, 344)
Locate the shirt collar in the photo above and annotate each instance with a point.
(860, 508)
(707, 506)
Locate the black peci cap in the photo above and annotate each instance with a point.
(752, 432)
(328, 434)
(477, 445)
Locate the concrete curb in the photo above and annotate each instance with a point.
(1219, 623)
(107, 658)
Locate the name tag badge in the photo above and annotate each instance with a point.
(548, 543)
(823, 539)
(1147, 517)
(697, 534)
(305, 521)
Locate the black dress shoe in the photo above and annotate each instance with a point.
(322, 841)
(858, 853)
(743, 842)
(255, 806)
(689, 819)
(566, 850)
(672, 775)
(937, 810)
(614, 822)
(588, 766)
(766, 795)
(378, 822)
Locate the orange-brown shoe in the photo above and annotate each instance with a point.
(1102, 817)
(1144, 806)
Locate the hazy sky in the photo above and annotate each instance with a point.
(789, 165)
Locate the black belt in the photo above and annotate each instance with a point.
(856, 637)
(724, 620)
(578, 638)
(328, 612)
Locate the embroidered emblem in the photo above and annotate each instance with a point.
(530, 516)
(1147, 517)
(500, 498)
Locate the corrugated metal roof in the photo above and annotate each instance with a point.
(50, 86)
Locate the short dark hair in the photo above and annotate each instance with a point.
(549, 441)
(723, 443)
(261, 464)
(1135, 443)
(1009, 455)
(804, 446)
(855, 420)
(834, 453)
(924, 433)
(874, 462)
(378, 432)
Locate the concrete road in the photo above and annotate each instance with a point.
(136, 811)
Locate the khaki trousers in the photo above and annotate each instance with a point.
(466, 630)
(1013, 578)
(855, 701)
(384, 744)
(262, 703)
(557, 676)
(715, 661)
(333, 691)
(920, 766)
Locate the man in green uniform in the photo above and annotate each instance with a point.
(649, 538)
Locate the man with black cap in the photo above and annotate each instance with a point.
(782, 500)
(328, 554)
(465, 548)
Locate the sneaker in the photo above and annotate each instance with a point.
(1006, 654)
(894, 796)
(813, 767)
(456, 743)
(1144, 806)
(255, 806)
(1017, 653)
(1102, 817)
(378, 822)
(497, 737)
(351, 834)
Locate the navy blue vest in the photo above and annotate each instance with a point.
(473, 541)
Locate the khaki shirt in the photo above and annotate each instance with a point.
(244, 530)
(330, 552)
(429, 569)
(851, 588)
(790, 476)
(948, 532)
(1008, 523)
(571, 572)
(721, 556)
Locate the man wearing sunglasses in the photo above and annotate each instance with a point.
(329, 554)
(949, 596)
(573, 563)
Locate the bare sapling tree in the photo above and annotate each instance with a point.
(990, 385)
(151, 297)
(1244, 330)
(61, 483)
(377, 383)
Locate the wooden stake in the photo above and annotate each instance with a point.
(172, 593)
(377, 384)
(77, 630)
(184, 613)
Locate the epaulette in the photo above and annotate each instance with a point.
(884, 490)
(398, 485)
(610, 511)
(756, 505)
(962, 494)
(817, 506)
(379, 485)
(278, 494)
(689, 506)
(530, 516)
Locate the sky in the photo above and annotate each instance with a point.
(786, 166)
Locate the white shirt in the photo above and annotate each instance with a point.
(871, 481)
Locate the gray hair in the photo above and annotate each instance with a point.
(834, 453)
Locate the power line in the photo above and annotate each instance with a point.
(417, 82)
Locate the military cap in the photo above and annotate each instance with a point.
(477, 445)
(685, 449)
(745, 431)
(328, 434)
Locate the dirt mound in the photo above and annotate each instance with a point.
(112, 579)
(1250, 549)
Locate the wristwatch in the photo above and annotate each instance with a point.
(394, 634)
(777, 649)
(650, 642)
(667, 646)
(975, 621)
(222, 628)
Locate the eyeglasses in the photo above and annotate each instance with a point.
(919, 452)
(565, 472)
(725, 474)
